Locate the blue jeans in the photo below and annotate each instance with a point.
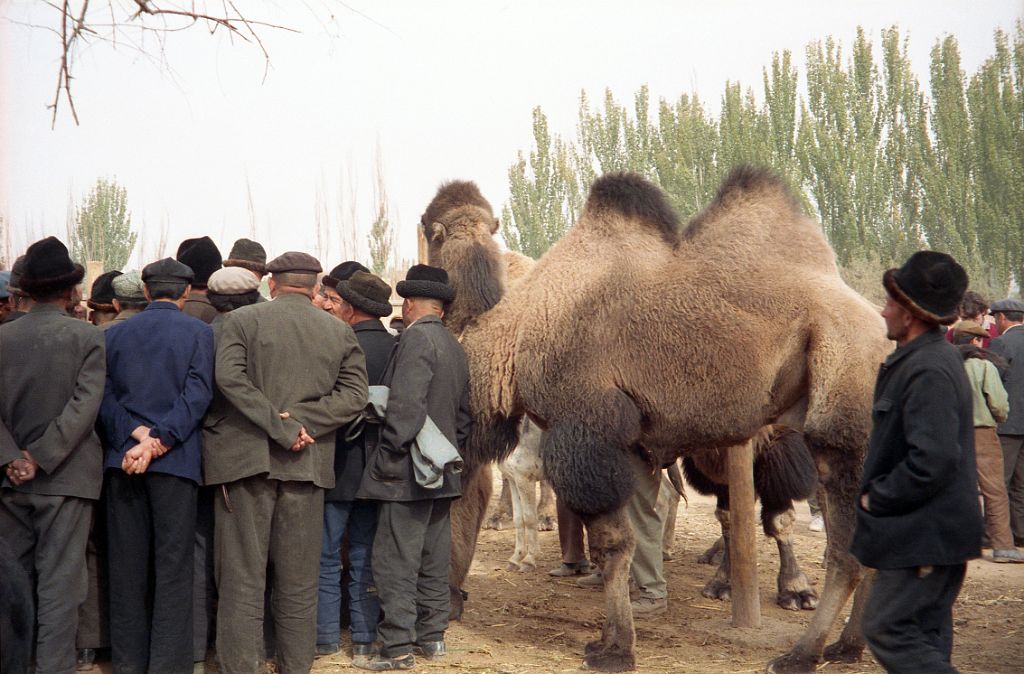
(359, 518)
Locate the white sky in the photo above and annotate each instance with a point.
(445, 87)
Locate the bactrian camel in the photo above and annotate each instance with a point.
(572, 347)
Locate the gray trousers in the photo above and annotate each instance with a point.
(1013, 471)
(411, 553)
(648, 568)
(47, 535)
(261, 521)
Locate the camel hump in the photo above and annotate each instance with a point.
(755, 213)
(632, 197)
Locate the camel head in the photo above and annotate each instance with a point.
(459, 227)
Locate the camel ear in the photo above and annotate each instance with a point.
(496, 226)
(439, 232)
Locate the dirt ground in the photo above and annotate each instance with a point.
(532, 623)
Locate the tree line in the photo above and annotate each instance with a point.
(886, 165)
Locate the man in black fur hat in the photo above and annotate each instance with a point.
(203, 256)
(53, 374)
(428, 378)
(918, 520)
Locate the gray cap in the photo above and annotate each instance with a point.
(1008, 304)
(294, 262)
(14, 282)
(232, 281)
(167, 270)
(128, 287)
(5, 277)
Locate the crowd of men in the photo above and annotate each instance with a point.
(181, 469)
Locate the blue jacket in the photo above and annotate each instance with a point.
(159, 374)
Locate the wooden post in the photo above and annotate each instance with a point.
(421, 247)
(746, 603)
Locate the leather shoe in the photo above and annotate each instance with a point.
(1011, 556)
(327, 649)
(379, 663)
(579, 568)
(86, 658)
(593, 580)
(363, 653)
(431, 650)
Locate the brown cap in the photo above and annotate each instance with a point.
(294, 262)
(972, 328)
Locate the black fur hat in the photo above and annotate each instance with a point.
(343, 272)
(101, 297)
(203, 256)
(248, 254)
(929, 285)
(426, 281)
(367, 292)
(48, 268)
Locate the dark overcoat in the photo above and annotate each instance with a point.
(275, 357)
(1010, 345)
(920, 474)
(428, 376)
(52, 373)
(350, 455)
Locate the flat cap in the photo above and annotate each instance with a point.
(294, 262)
(167, 270)
(5, 278)
(232, 281)
(248, 254)
(972, 328)
(128, 287)
(1008, 304)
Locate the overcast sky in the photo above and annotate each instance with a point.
(446, 88)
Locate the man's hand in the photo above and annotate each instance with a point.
(865, 502)
(22, 470)
(303, 440)
(141, 433)
(137, 459)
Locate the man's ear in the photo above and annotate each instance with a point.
(185, 294)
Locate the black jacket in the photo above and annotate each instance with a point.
(920, 473)
(428, 376)
(350, 457)
(1010, 345)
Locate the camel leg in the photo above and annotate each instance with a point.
(547, 516)
(514, 562)
(713, 555)
(501, 518)
(719, 586)
(526, 487)
(467, 515)
(850, 646)
(668, 507)
(611, 546)
(842, 574)
(795, 591)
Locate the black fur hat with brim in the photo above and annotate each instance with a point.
(342, 272)
(367, 293)
(929, 285)
(101, 297)
(426, 281)
(202, 256)
(49, 269)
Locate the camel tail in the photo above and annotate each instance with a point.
(783, 469)
(632, 198)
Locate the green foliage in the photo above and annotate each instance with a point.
(887, 166)
(103, 226)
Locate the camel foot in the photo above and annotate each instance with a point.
(610, 659)
(712, 555)
(793, 663)
(717, 589)
(843, 652)
(499, 521)
(547, 523)
(512, 566)
(794, 600)
(457, 604)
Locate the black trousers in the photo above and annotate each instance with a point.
(908, 620)
(411, 555)
(204, 589)
(151, 521)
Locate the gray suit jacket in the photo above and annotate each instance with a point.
(52, 373)
(428, 376)
(281, 356)
(1010, 345)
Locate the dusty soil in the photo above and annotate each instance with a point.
(532, 623)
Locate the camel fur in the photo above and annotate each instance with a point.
(572, 347)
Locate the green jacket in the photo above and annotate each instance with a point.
(991, 403)
(273, 357)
